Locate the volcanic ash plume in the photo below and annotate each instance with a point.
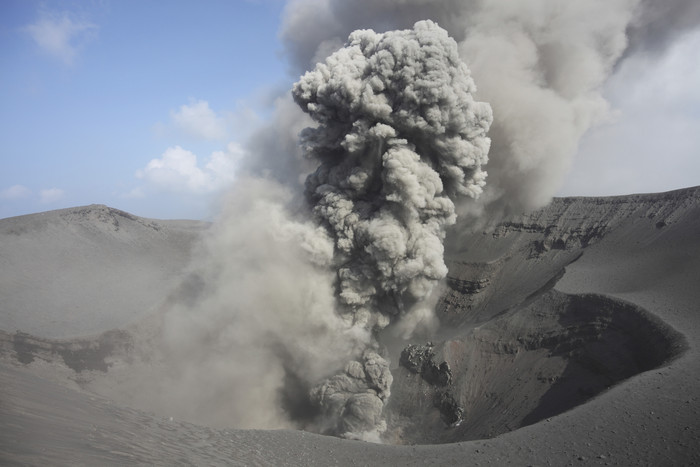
(399, 136)
(541, 64)
(278, 325)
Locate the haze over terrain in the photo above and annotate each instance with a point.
(575, 326)
(387, 263)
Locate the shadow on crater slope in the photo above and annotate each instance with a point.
(523, 366)
(517, 350)
(526, 365)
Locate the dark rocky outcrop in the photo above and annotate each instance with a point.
(77, 354)
(420, 359)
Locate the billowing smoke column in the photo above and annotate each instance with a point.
(399, 136)
(279, 323)
(540, 64)
(278, 326)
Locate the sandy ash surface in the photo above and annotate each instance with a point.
(578, 266)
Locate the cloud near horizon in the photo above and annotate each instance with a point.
(22, 194)
(15, 192)
(51, 195)
(60, 35)
(178, 170)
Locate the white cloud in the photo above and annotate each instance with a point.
(178, 170)
(200, 121)
(15, 192)
(51, 195)
(136, 193)
(652, 144)
(60, 35)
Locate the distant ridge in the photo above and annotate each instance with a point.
(692, 191)
(63, 271)
(103, 209)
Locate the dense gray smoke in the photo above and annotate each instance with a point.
(278, 325)
(540, 64)
(657, 24)
(255, 327)
(322, 245)
(352, 401)
(399, 136)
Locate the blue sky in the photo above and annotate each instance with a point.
(145, 106)
(93, 91)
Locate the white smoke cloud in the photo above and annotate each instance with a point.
(61, 35)
(51, 195)
(178, 170)
(200, 121)
(15, 192)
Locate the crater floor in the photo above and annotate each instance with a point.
(571, 335)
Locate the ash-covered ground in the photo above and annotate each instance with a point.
(569, 334)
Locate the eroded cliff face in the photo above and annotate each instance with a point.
(520, 351)
(528, 364)
(500, 267)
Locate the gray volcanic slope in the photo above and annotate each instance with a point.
(82, 270)
(571, 334)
